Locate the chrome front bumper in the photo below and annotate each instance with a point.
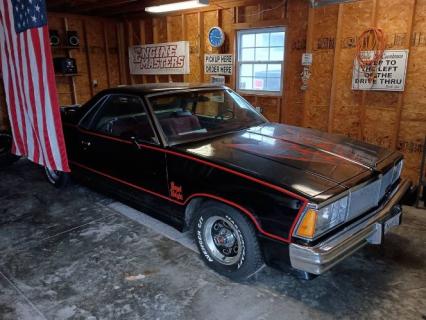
(323, 256)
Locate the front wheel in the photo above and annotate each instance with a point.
(227, 241)
(57, 178)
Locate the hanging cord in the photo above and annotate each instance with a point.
(281, 4)
(372, 39)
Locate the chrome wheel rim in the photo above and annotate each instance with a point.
(52, 175)
(222, 240)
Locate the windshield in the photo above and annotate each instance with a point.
(194, 115)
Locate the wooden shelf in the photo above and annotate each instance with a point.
(64, 48)
(67, 75)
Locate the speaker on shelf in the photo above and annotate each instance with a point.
(72, 39)
(55, 40)
(65, 65)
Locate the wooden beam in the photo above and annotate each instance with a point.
(169, 39)
(129, 44)
(362, 107)
(142, 36)
(200, 19)
(309, 42)
(184, 36)
(72, 79)
(106, 45)
(397, 127)
(337, 50)
(89, 61)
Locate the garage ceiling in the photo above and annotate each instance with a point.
(102, 7)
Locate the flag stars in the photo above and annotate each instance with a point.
(34, 18)
(37, 8)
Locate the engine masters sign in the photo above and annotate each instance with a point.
(390, 73)
(160, 58)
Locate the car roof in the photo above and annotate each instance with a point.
(161, 87)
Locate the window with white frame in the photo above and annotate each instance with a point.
(260, 59)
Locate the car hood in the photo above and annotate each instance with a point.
(307, 161)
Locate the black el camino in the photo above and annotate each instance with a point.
(201, 158)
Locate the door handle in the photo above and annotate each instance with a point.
(86, 144)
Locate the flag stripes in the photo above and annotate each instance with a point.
(29, 80)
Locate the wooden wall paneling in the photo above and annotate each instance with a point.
(309, 49)
(407, 44)
(81, 82)
(72, 79)
(293, 100)
(112, 50)
(142, 37)
(97, 52)
(209, 20)
(413, 114)
(319, 88)
(63, 84)
(192, 29)
(130, 43)
(201, 39)
(175, 33)
(106, 48)
(273, 10)
(159, 29)
(336, 57)
(122, 54)
(226, 21)
(88, 57)
(395, 18)
(184, 37)
(356, 17)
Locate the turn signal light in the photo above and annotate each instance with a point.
(307, 226)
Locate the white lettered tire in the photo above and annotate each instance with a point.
(227, 241)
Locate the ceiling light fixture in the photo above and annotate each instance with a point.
(183, 5)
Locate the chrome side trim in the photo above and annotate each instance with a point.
(323, 256)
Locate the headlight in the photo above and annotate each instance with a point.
(315, 222)
(397, 171)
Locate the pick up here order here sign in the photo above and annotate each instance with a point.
(218, 64)
(160, 58)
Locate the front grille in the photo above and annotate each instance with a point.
(367, 197)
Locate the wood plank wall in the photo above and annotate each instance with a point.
(230, 16)
(97, 57)
(390, 119)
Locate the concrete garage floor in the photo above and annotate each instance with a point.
(73, 254)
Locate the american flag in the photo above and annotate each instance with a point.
(29, 83)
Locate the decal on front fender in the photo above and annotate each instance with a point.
(176, 191)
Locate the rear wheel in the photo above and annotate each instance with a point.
(57, 178)
(6, 157)
(227, 241)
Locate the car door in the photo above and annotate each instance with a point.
(117, 143)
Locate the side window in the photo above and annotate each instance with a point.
(123, 116)
(92, 107)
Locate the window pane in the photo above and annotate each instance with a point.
(262, 54)
(262, 40)
(246, 70)
(260, 70)
(277, 39)
(273, 84)
(124, 116)
(247, 54)
(259, 83)
(246, 83)
(277, 53)
(274, 70)
(247, 40)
